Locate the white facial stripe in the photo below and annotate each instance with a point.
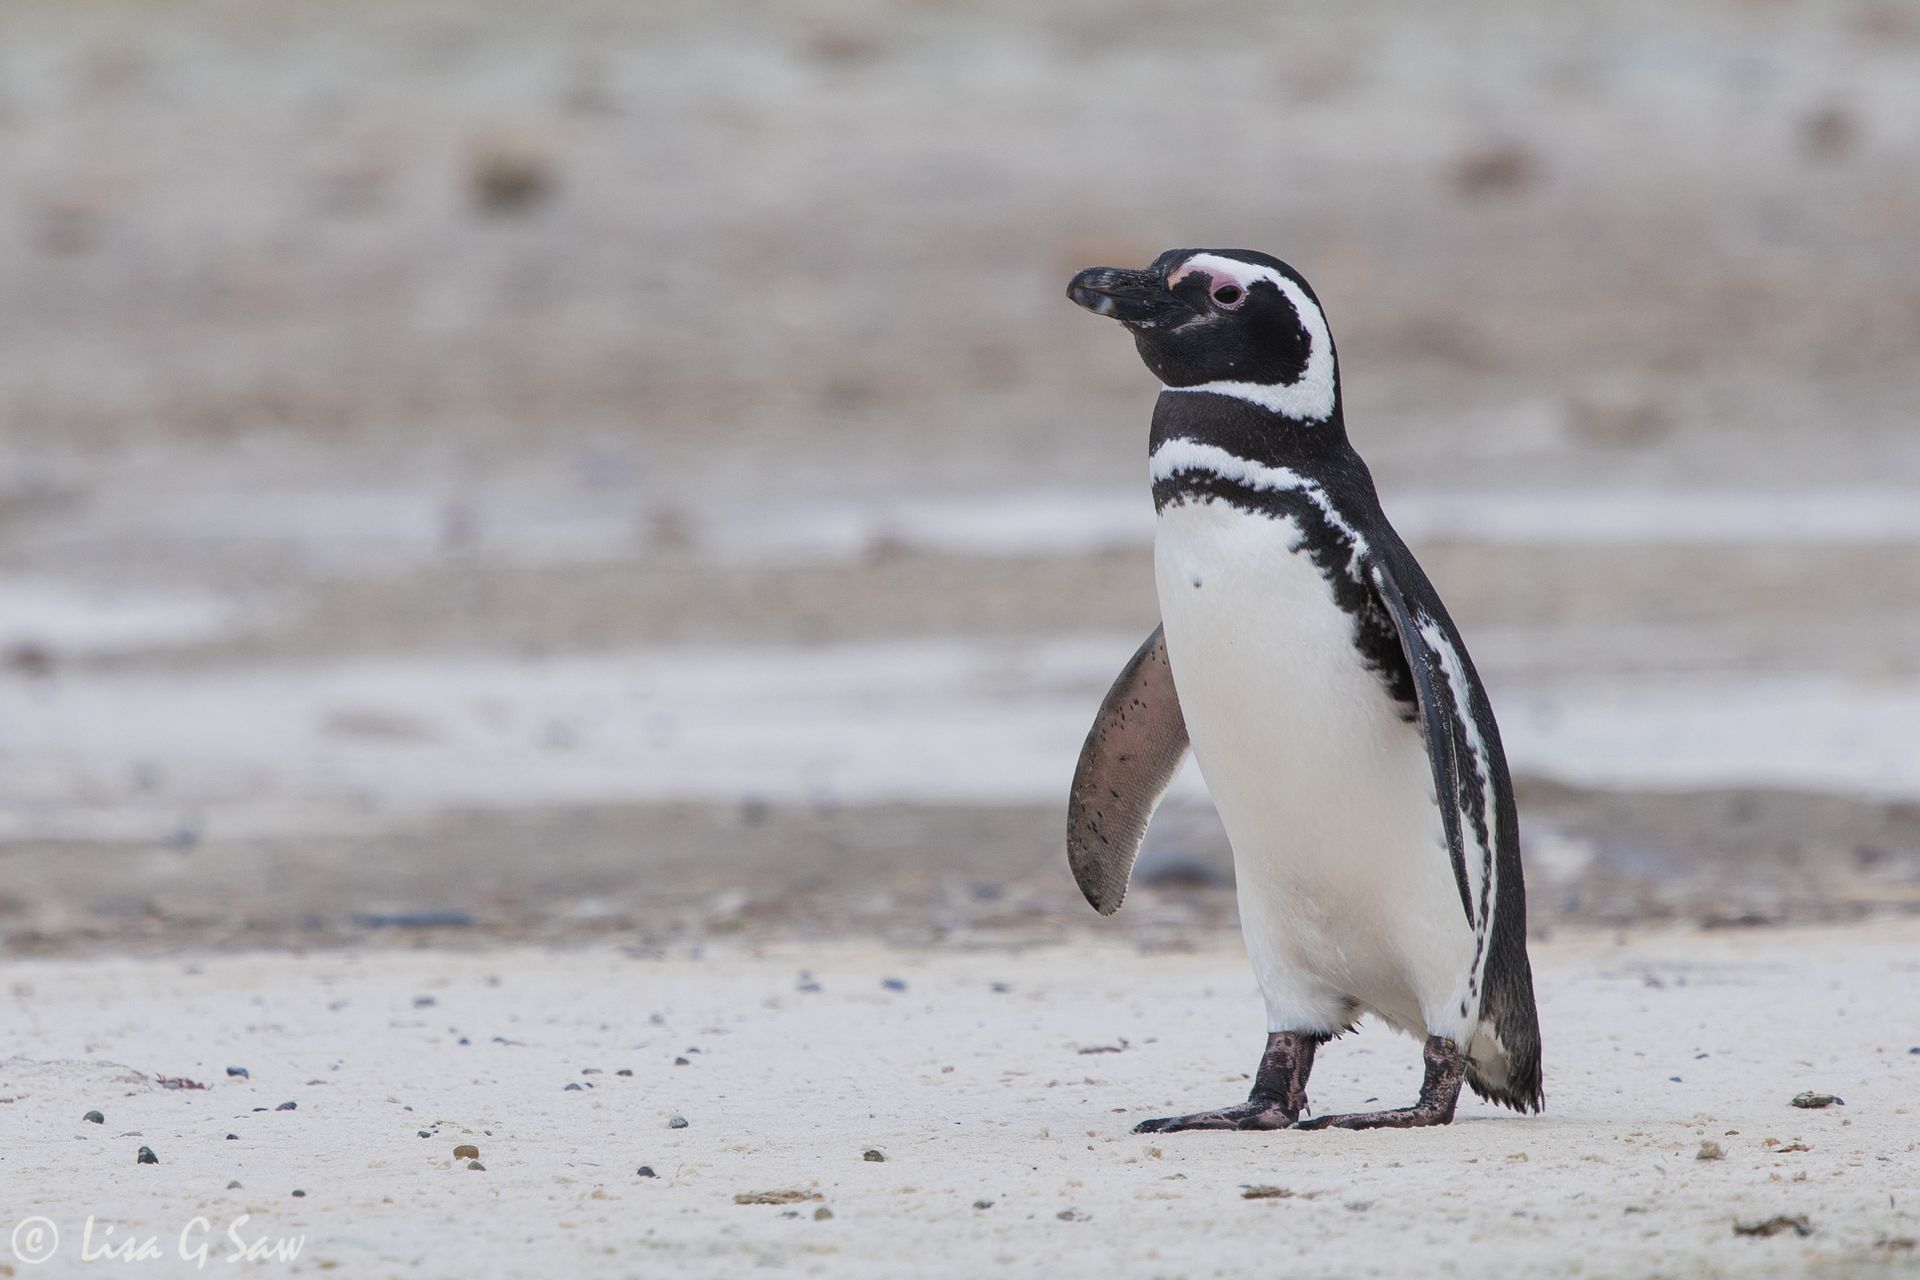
(1311, 397)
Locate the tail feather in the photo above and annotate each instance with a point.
(1503, 1062)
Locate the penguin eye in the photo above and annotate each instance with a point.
(1227, 295)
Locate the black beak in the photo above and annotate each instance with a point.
(1131, 297)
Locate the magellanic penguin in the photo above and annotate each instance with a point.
(1335, 716)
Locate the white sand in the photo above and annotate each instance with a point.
(972, 1094)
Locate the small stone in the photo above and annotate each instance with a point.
(808, 986)
(146, 1156)
(624, 1071)
(677, 1122)
(240, 1072)
(424, 1002)
(893, 984)
(234, 1185)
(298, 1194)
(573, 1088)
(510, 172)
(425, 1134)
(288, 1106)
(645, 1171)
(1071, 1215)
(466, 1151)
(1266, 1193)
(983, 1204)
(680, 1062)
(94, 1117)
(476, 1166)
(822, 1214)
(874, 1155)
(233, 1137)
(1814, 1100)
(1710, 1150)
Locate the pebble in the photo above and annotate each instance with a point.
(677, 1122)
(1071, 1215)
(425, 1133)
(146, 1156)
(241, 1072)
(476, 1166)
(233, 1137)
(424, 1002)
(681, 1062)
(1813, 1100)
(573, 1088)
(645, 1171)
(625, 1071)
(234, 1185)
(288, 1106)
(874, 1155)
(94, 1117)
(822, 1214)
(466, 1151)
(299, 1194)
(1710, 1150)
(893, 984)
(983, 1204)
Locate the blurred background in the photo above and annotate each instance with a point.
(601, 469)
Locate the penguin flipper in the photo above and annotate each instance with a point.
(1504, 1067)
(1133, 751)
(1438, 721)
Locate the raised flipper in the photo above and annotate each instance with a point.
(1132, 753)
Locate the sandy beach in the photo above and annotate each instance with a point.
(955, 1113)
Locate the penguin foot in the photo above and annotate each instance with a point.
(1415, 1117)
(1244, 1115)
(1439, 1091)
(1279, 1091)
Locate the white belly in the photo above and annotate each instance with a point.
(1347, 896)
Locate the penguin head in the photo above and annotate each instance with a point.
(1230, 321)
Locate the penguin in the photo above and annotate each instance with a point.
(1309, 666)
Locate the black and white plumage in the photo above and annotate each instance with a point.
(1335, 715)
